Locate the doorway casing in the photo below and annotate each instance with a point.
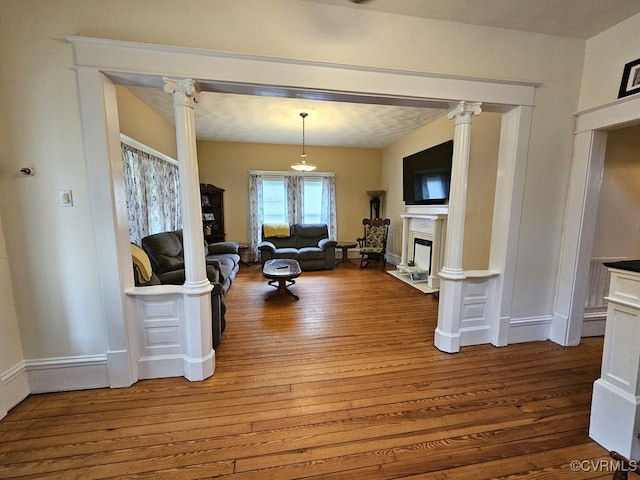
(101, 64)
(587, 167)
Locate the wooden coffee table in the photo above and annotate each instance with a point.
(281, 273)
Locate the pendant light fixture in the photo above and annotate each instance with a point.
(302, 165)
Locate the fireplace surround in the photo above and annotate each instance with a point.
(423, 240)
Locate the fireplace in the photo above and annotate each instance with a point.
(422, 250)
(423, 236)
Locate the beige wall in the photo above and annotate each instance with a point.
(140, 122)
(618, 222)
(605, 57)
(51, 250)
(226, 165)
(483, 160)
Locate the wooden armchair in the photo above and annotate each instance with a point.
(373, 245)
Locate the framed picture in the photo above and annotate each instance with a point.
(630, 79)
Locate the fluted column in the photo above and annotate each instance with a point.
(452, 277)
(463, 113)
(184, 98)
(199, 357)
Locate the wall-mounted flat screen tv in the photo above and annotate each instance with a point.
(427, 175)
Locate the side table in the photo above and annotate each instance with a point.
(243, 248)
(345, 246)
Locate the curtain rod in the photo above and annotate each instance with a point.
(145, 148)
(274, 173)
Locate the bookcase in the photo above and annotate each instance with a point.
(212, 201)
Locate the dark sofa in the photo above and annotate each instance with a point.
(166, 256)
(309, 244)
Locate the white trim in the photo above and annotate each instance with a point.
(14, 387)
(507, 214)
(613, 114)
(580, 216)
(255, 74)
(147, 149)
(103, 153)
(101, 63)
(529, 329)
(67, 373)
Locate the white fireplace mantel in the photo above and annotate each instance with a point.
(429, 223)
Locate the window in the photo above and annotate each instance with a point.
(281, 197)
(274, 200)
(312, 200)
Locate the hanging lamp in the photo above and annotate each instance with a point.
(302, 165)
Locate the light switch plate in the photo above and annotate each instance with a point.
(66, 199)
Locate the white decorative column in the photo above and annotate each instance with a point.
(615, 406)
(447, 335)
(199, 356)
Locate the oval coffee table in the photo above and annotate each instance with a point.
(281, 271)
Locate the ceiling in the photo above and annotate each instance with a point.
(261, 119)
(566, 18)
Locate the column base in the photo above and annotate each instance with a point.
(447, 342)
(197, 369)
(615, 419)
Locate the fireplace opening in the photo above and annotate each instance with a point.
(422, 249)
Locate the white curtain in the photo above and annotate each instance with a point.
(152, 187)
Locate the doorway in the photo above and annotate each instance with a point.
(590, 142)
(138, 64)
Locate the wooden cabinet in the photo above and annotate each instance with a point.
(211, 199)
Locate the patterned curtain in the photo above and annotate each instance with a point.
(294, 185)
(153, 193)
(256, 214)
(329, 208)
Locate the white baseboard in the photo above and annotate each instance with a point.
(67, 373)
(161, 366)
(594, 324)
(14, 387)
(529, 329)
(475, 336)
(392, 259)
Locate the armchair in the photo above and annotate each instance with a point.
(373, 244)
(166, 258)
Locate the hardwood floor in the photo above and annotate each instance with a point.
(343, 384)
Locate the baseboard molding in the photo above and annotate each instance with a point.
(14, 387)
(67, 373)
(475, 336)
(392, 259)
(593, 324)
(530, 329)
(161, 366)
